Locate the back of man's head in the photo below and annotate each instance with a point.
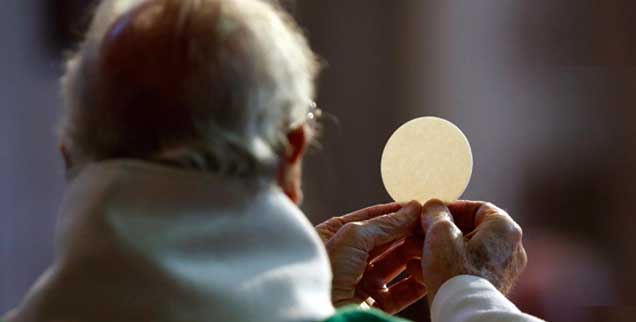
(216, 84)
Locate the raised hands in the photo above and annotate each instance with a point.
(470, 238)
(369, 248)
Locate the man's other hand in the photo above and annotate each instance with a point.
(384, 234)
(469, 237)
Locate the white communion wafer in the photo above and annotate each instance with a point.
(427, 158)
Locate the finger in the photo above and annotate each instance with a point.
(414, 268)
(371, 212)
(434, 211)
(497, 244)
(399, 296)
(498, 251)
(393, 263)
(488, 211)
(379, 251)
(487, 224)
(464, 212)
(444, 247)
(494, 221)
(329, 228)
(468, 215)
(388, 228)
(443, 256)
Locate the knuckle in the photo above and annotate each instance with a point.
(488, 209)
(516, 233)
(352, 229)
(512, 231)
(490, 205)
(338, 221)
(441, 227)
(505, 227)
(433, 203)
(388, 220)
(414, 206)
(523, 258)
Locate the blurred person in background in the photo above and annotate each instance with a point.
(185, 128)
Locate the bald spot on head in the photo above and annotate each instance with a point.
(145, 68)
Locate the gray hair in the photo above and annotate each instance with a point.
(212, 84)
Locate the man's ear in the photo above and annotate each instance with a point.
(68, 162)
(298, 142)
(290, 172)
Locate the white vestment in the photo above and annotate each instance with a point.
(142, 242)
(468, 298)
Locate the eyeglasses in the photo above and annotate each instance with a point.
(315, 114)
(314, 117)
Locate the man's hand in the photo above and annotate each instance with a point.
(382, 234)
(468, 237)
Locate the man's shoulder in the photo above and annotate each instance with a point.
(355, 314)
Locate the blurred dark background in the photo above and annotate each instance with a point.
(544, 90)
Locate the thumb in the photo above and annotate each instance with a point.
(442, 237)
(435, 212)
(440, 231)
(443, 255)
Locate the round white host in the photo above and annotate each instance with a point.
(427, 158)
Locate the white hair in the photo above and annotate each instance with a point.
(244, 77)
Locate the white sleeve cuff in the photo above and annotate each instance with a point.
(471, 298)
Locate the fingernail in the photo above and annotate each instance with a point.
(434, 203)
(413, 206)
(437, 207)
